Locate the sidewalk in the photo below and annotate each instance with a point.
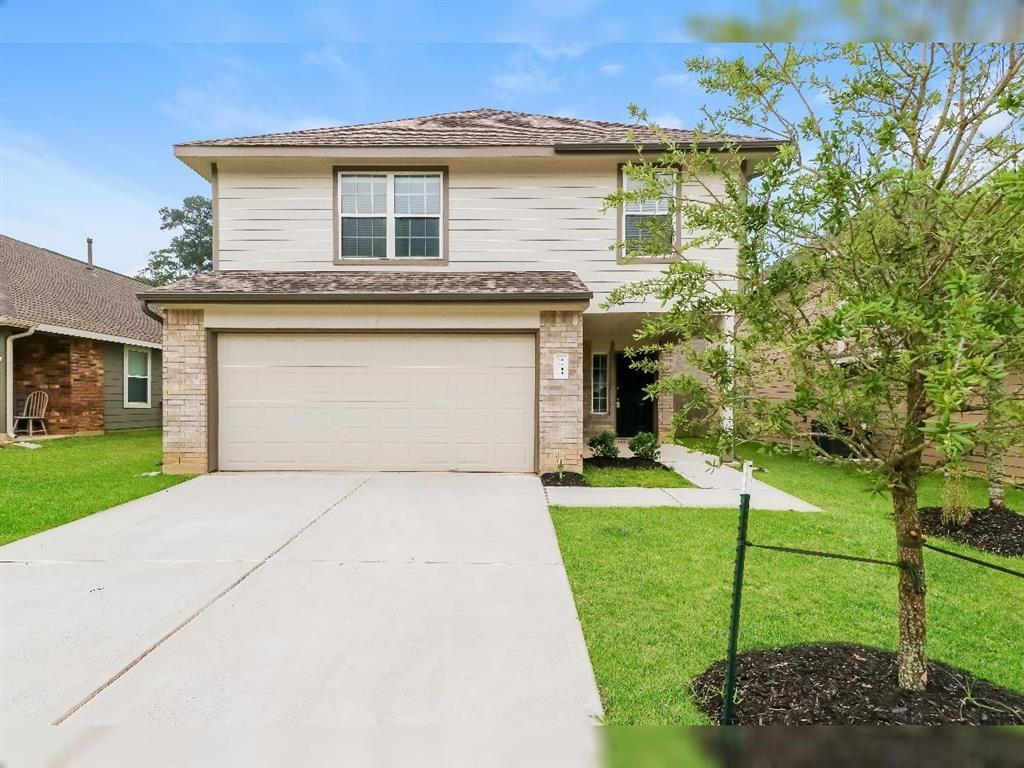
(716, 487)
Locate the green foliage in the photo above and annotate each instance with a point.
(881, 250)
(604, 446)
(880, 265)
(191, 249)
(645, 446)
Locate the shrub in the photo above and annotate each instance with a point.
(603, 446)
(645, 446)
(955, 508)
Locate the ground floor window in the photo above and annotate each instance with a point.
(599, 383)
(137, 377)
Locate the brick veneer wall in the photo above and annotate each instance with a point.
(70, 371)
(185, 392)
(560, 401)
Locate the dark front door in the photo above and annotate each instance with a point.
(634, 411)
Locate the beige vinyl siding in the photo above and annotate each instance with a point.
(115, 415)
(504, 214)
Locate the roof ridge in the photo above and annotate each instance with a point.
(476, 110)
(72, 258)
(326, 128)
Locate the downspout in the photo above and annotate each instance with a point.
(9, 377)
(151, 313)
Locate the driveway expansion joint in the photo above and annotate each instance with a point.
(181, 625)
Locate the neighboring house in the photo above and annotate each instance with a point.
(80, 334)
(419, 294)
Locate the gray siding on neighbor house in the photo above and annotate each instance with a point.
(115, 415)
(4, 333)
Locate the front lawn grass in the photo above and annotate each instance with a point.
(652, 588)
(634, 477)
(66, 479)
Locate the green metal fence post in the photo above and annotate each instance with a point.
(728, 703)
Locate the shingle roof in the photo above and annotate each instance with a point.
(43, 287)
(473, 128)
(373, 286)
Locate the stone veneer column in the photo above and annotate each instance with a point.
(665, 404)
(185, 393)
(560, 401)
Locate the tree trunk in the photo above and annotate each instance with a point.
(996, 488)
(912, 672)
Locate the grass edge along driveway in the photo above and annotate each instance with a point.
(652, 588)
(73, 477)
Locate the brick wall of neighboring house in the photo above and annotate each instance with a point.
(70, 371)
(777, 385)
(185, 392)
(560, 401)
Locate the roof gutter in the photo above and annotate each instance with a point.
(710, 146)
(9, 377)
(381, 298)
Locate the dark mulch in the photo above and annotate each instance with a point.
(576, 479)
(858, 747)
(623, 463)
(844, 684)
(566, 478)
(992, 529)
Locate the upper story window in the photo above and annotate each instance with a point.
(391, 215)
(648, 226)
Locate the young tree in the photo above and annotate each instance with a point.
(191, 248)
(872, 270)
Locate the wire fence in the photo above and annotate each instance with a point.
(742, 544)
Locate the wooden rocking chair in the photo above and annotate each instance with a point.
(33, 411)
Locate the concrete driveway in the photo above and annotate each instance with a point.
(298, 599)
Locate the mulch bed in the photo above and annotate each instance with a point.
(566, 479)
(576, 479)
(992, 529)
(856, 747)
(842, 684)
(623, 463)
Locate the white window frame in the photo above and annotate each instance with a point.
(390, 215)
(149, 377)
(607, 383)
(659, 207)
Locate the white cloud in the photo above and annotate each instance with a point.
(329, 59)
(678, 80)
(565, 51)
(49, 201)
(523, 76)
(668, 120)
(211, 111)
(611, 69)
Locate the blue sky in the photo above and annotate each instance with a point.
(94, 95)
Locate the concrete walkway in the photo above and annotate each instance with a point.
(428, 600)
(717, 487)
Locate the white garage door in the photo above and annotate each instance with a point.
(376, 401)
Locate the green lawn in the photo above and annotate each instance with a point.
(66, 479)
(652, 589)
(633, 477)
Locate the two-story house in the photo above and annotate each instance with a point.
(418, 294)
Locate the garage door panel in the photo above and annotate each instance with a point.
(377, 401)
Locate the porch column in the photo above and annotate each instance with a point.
(560, 399)
(729, 327)
(185, 393)
(665, 404)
